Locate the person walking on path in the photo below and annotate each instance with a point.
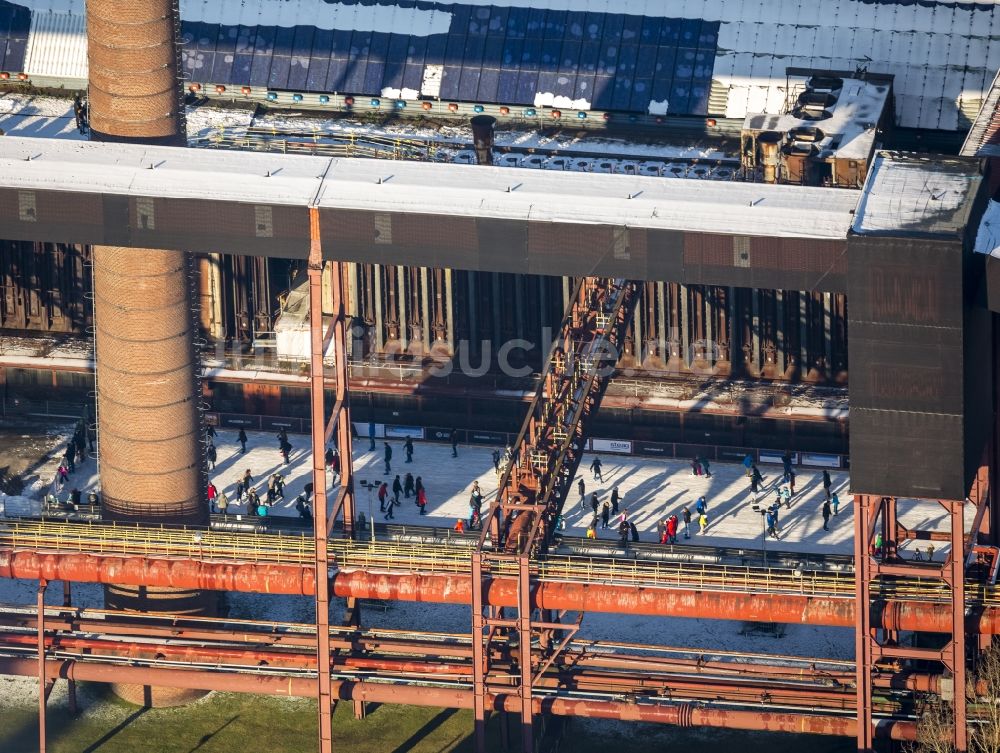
(397, 489)
(605, 514)
(623, 532)
(408, 449)
(785, 497)
(702, 522)
(69, 457)
(422, 500)
(614, 501)
(475, 504)
(242, 439)
(222, 502)
(286, 450)
(328, 457)
(371, 436)
(211, 493)
(496, 454)
(282, 437)
(408, 487)
(771, 519)
(786, 466)
(454, 443)
(388, 458)
(747, 465)
(418, 485)
(383, 492)
(211, 455)
(582, 488)
(835, 503)
(388, 503)
(595, 467)
(335, 467)
(672, 529)
(701, 506)
(594, 503)
(757, 477)
(826, 515)
(705, 467)
(686, 516)
(695, 466)
(827, 483)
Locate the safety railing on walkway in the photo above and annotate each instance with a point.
(113, 539)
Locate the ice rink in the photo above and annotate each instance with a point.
(651, 489)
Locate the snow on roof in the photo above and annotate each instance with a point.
(727, 57)
(908, 194)
(423, 188)
(698, 206)
(988, 236)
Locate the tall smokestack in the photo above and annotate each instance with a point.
(147, 365)
(134, 82)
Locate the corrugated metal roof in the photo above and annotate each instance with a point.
(984, 136)
(57, 44)
(574, 53)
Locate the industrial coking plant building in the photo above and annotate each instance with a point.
(748, 201)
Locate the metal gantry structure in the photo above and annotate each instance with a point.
(532, 491)
(879, 568)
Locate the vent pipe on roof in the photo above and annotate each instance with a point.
(483, 128)
(769, 142)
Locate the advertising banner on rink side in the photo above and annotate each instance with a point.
(621, 446)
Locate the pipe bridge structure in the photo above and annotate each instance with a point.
(923, 352)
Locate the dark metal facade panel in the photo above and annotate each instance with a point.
(921, 403)
(763, 262)
(906, 454)
(203, 225)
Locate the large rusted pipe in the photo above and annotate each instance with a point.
(684, 715)
(457, 589)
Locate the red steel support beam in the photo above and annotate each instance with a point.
(956, 662)
(478, 656)
(342, 411)
(683, 715)
(320, 529)
(864, 511)
(42, 696)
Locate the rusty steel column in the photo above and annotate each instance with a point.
(863, 621)
(954, 575)
(149, 424)
(316, 387)
(42, 681)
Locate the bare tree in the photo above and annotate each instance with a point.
(982, 693)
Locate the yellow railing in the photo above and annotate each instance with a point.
(296, 549)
